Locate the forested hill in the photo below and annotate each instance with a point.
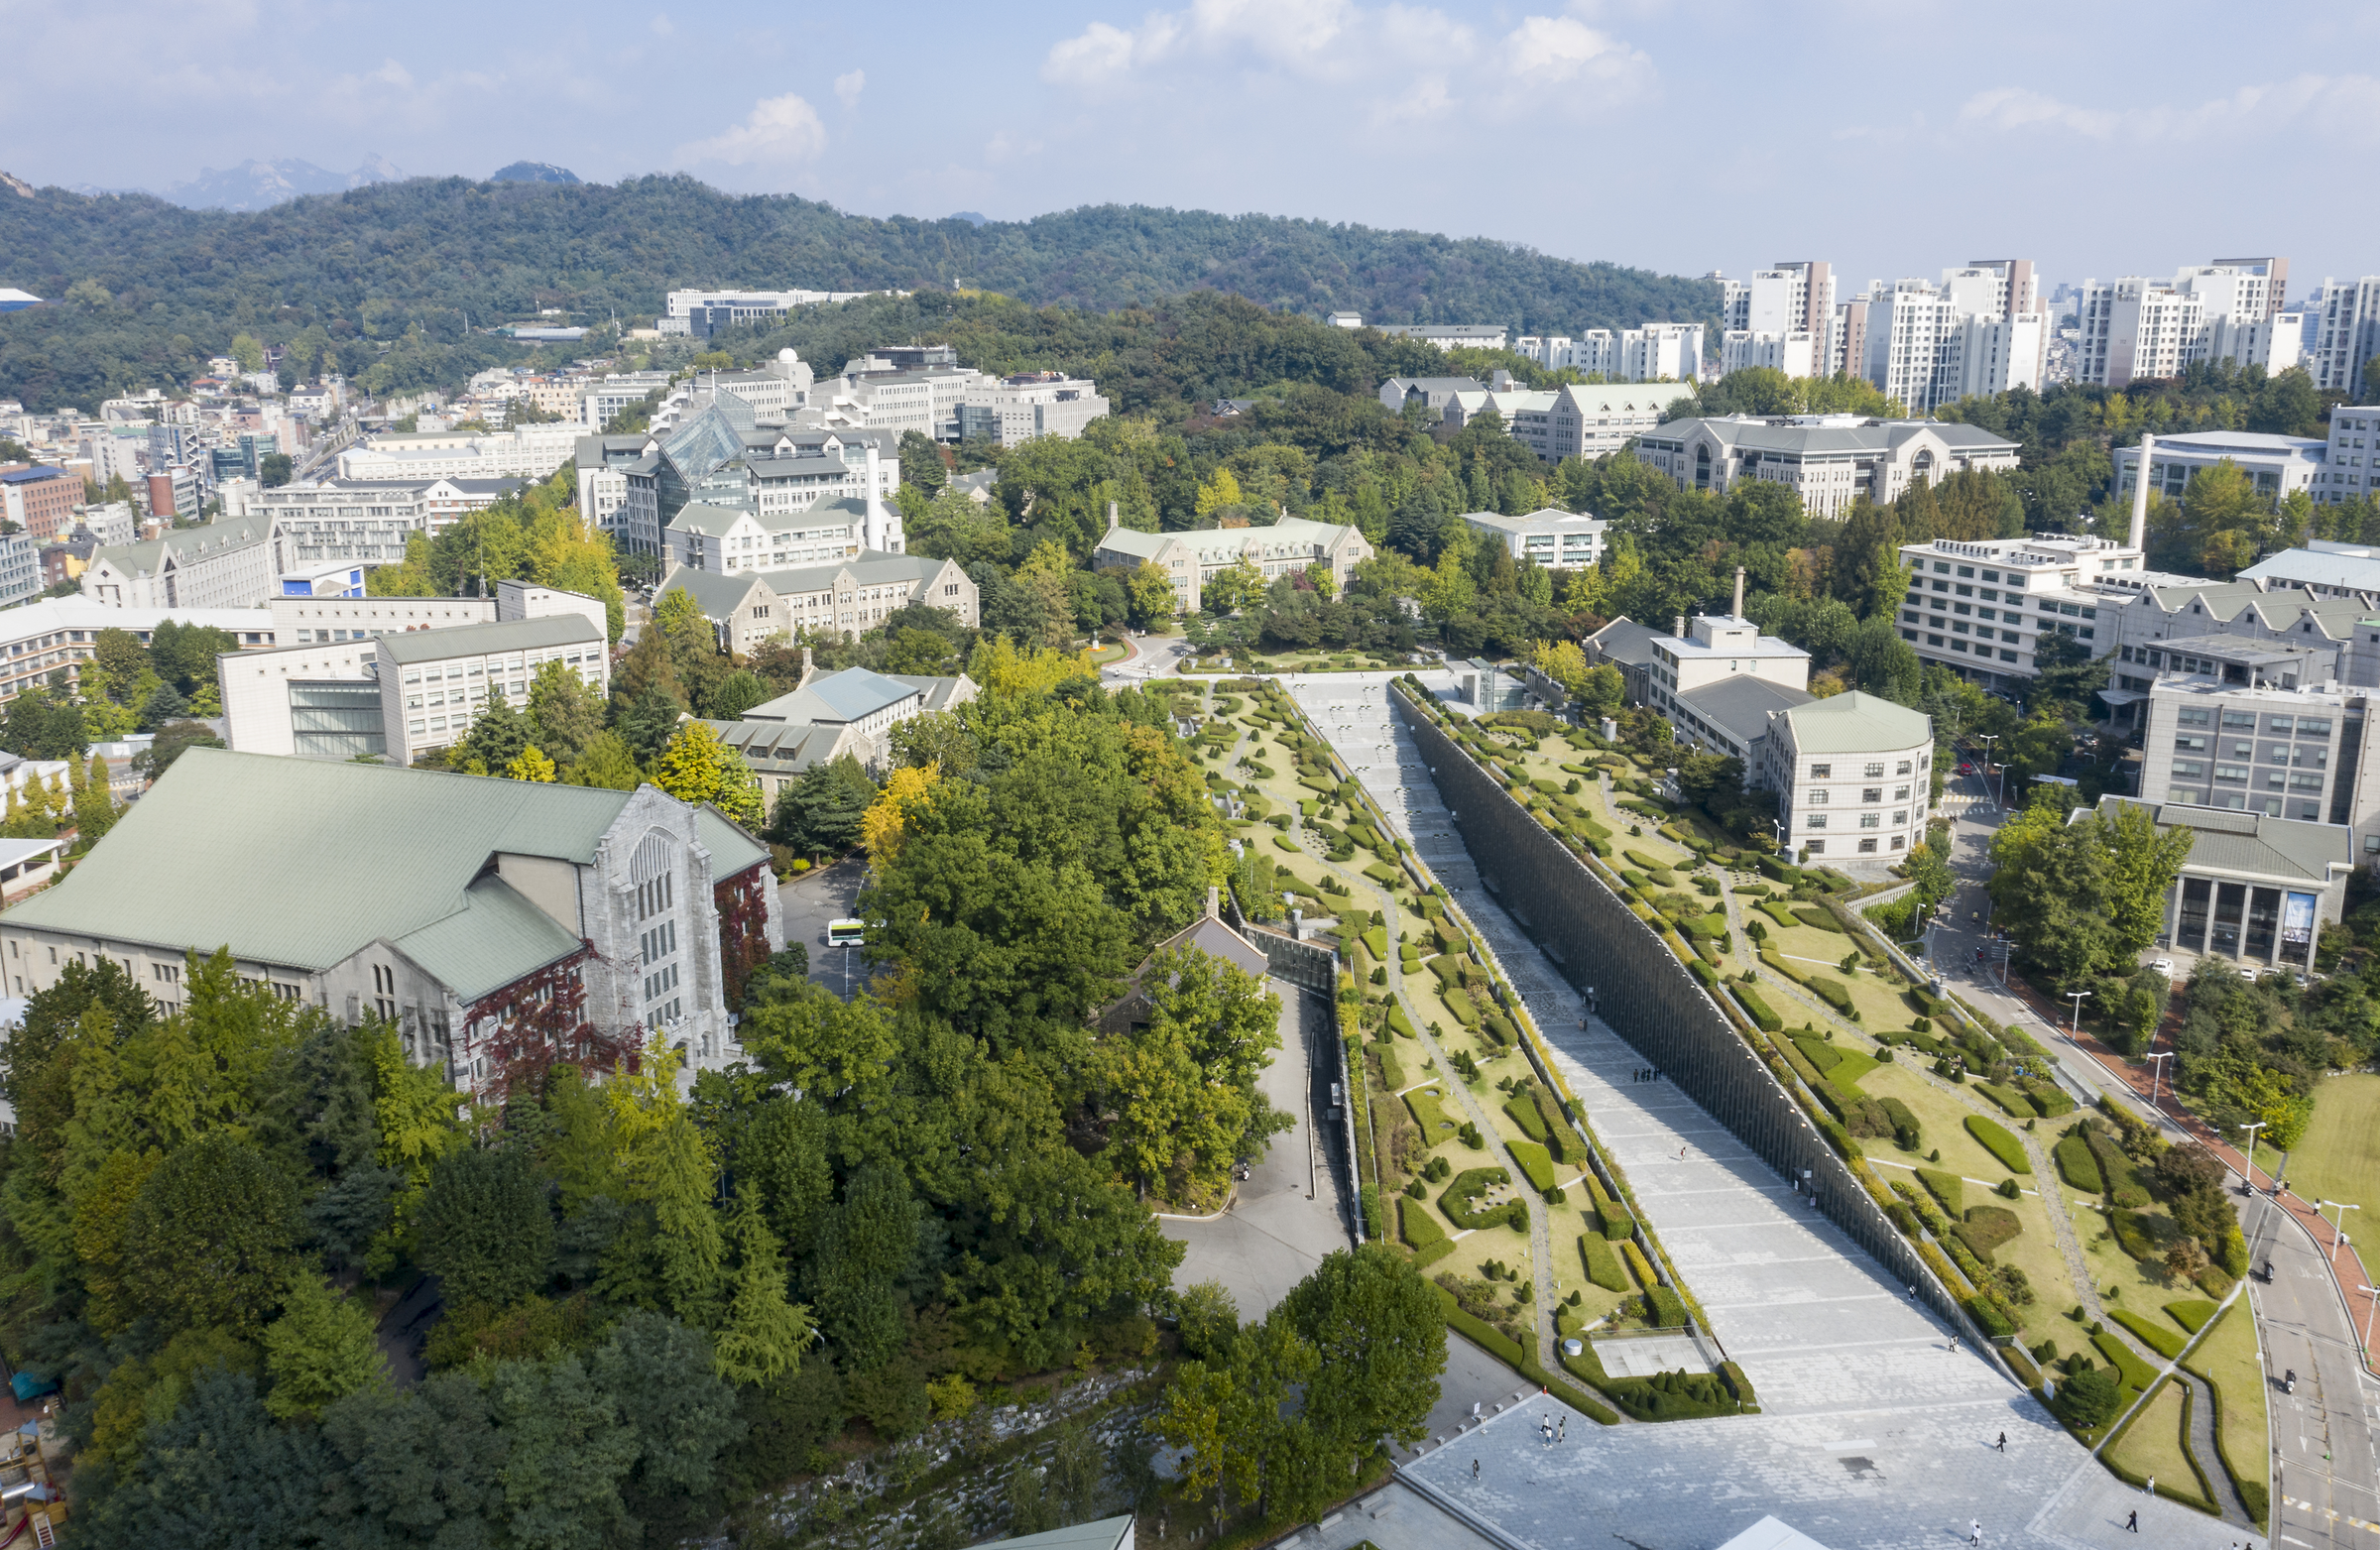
(152, 289)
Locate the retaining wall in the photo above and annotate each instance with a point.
(1647, 997)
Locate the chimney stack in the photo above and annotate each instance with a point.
(1739, 592)
(805, 668)
(1214, 904)
(2140, 494)
(1115, 518)
(1681, 627)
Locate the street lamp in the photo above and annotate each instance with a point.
(2156, 1072)
(2343, 1208)
(2074, 1030)
(1987, 739)
(2372, 1293)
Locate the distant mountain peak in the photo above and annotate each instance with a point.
(533, 173)
(970, 218)
(257, 186)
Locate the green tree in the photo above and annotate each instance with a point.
(1183, 1087)
(738, 692)
(483, 1229)
(497, 735)
(564, 714)
(866, 1248)
(320, 1349)
(2142, 864)
(763, 1335)
(2049, 883)
(273, 470)
(213, 1238)
(216, 1471)
(697, 768)
(1232, 588)
(607, 762)
(1151, 593)
(1378, 1335)
(1867, 561)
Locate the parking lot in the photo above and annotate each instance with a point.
(809, 902)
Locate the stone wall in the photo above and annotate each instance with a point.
(1647, 997)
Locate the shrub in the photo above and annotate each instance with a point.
(1767, 1021)
(1400, 1022)
(1473, 1181)
(1813, 915)
(2136, 1374)
(1375, 1222)
(1997, 1141)
(1836, 997)
(2077, 1165)
(1667, 1308)
(1906, 1133)
(1534, 1163)
(1430, 1113)
(2124, 1188)
(2142, 1236)
(1638, 1265)
(1422, 1234)
(1524, 1114)
(2016, 1104)
(1947, 1188)
(2088, 1400)
(2165, 1342)
(1990, 1318)
(1986, 1228)
(1602, 1265)
(2191, 1315)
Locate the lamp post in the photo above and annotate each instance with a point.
(2074, 1030)
(2337, 1223)
(2372, 1293)
(2156, 1072)
(1987, 739)
(2250, 1154)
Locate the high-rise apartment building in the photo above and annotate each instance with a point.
(2137, 328)
(2345, 334)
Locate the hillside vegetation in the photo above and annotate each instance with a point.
(391, 270)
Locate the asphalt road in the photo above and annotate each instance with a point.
(809, 902)
(2325, 1438)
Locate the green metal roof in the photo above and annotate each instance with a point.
(1857, 722)
(502, 635)
(302, 863)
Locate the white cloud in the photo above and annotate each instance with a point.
(663, 27)
(1555, 50)
(2327, 105)
(1403, 56)
(848, 87)
(392, 74)
(779, 130)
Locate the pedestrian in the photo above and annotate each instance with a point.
(1562, 1434)
(1974, 1531)
(1681, 1155)
(1954, 1345)
(2004, 1449)
(2134, 1524)
(2150, 1489)
(1475, 1474)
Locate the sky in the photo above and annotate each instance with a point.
(1890, 139)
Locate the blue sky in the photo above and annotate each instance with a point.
(1890, 139)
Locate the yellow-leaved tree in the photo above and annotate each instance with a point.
(697, 768)
(904, 791)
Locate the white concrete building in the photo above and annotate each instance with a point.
(1982, 609)
(727, 540)
(1794, 297)
(55, 635)
(310, 621)
(1715, 650)
(523, 453)
(433, 683)
(1434, 394)
(1829, 460)
(1852, 773)
(2279, 465)
(1794, 353)
(1556, 540)
(849, 597)
(1992, 352)
(228, 564)
(701, 313)
(2346, 335)
(2352, 456)
(1909, 325)
(1449, 336)
(2136, 327)
(1011, 410)
(1591, 419)
(1190, 559)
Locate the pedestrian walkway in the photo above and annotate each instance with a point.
(1874, 1431)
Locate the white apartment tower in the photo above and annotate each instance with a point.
(2346, 335)
(2230, 309)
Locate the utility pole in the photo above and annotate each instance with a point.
(1987, 739)
(2372, 1294)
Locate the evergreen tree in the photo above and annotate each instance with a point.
(564, 712)
(483, 1228)
(607, 762)
(320, 1349)
(762, 1335)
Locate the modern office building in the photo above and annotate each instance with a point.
(498, 925)
(1982, 609)
(703, 313)
(2279, 465)
(2350, 459)
(1014, 409)
(1556, 540)
(523, 453)
(40, 499)
(1829, 460)
(728, 538)
(2255, 890)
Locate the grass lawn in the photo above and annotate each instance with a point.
(2124, 1281)
(2339, 1157)
(1940, 1117)
(2227, 1357)
(2152, 1446)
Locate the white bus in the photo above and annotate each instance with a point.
(845, 933)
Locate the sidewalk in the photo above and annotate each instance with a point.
(2094, 1067)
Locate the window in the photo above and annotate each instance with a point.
(1900, 818)
(1871, 820)
(1902, 767)
(1816, 820)
(1816, 846)
(1867, 847)
(1871, 793)
(1875, 771)
(2189, 744)
(2239, 721)
(652, 898)
(1900, 793)
(1822, 771)
(1818, 799)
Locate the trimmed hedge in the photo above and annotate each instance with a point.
(1375, 941)
(1907, 1134)
(1400, 1022)
(1776, 910)
(1997, 1141)
(1392, 1070)
(1524, 1114)
(1535, 1162)
(2124, 1188)
(1458, 1003)
(1765, 1019)
(2016, 1104)
(1986, 1228)
(1422, 1234)
(2136, 1374)
(1560, 1139)
(2165, 1342)
(1638, 1265)
(2077, 1167)
(2143, 1235)
(1501, 1029)
(1812, 914)
(1821, 1054)
(1835, 995)
(1602, 1265)
(2191, 1315)
(1947, 1188)
(1990, 1318)
(1669, 1309)
(1513, 1212)
(1430, 1113)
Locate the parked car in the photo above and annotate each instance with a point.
(2164, 966)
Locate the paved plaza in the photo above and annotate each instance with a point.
(1874, 1433)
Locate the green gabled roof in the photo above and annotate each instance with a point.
(716, 595)
(302, 863)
